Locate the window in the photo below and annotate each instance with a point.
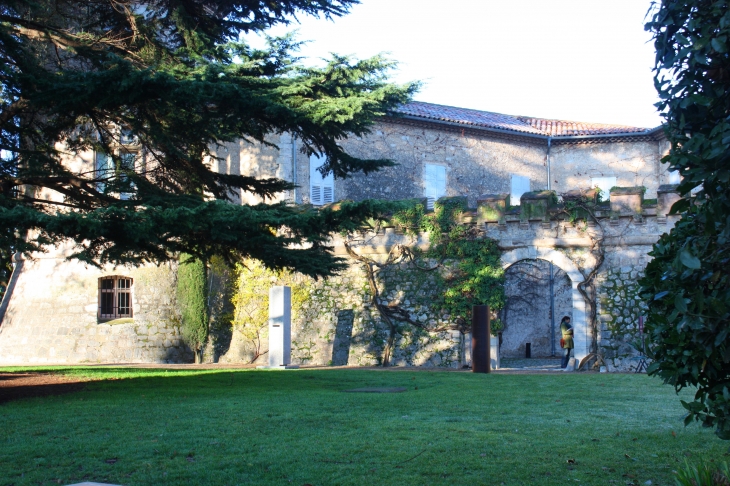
(107, 169)
(518, 186)
(604, 184)
(434, 183)
(104, 169)
(321, 189)
(115, 297)
(127, 137)
(674, 177)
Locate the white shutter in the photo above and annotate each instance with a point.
(674, 177)
(604, 184)
(434, 183)
(321, 189)
(519, 186)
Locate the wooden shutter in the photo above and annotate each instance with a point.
(434, 183)
(321, 189)
(519, 186)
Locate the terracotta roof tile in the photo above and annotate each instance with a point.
(520, 124)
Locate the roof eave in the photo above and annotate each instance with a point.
(559, 138)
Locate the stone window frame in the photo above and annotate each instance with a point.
(117, 293)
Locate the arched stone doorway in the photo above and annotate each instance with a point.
(537, 296)
(580, 329)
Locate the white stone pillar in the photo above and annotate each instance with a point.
(580, 327)
(279, 326)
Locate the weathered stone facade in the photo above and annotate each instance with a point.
(50, 315)
(476, 163)
(633, 163)
(336, 324)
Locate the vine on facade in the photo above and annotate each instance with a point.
(464, 263)
(250, 299)
(191, 298)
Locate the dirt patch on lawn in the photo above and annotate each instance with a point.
(24, 385)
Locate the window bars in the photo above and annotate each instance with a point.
(115, 297)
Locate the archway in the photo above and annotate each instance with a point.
(537, 295)
(580, 328)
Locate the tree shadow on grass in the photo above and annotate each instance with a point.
(27, 385)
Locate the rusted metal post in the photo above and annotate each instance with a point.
(480, 332)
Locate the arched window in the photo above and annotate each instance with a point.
(115, 297)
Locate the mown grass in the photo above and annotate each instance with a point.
(151, 427)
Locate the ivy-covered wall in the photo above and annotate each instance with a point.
(333, 322)
(619, 306)
(51, 317)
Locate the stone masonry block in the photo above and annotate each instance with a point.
(536, 205)
(627, 200)
(667, 195)
(491, 207)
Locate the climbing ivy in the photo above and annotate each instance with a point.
(472, 272)
(251, 300)
(191, 298)
(462, 262)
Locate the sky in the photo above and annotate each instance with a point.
(579, 60)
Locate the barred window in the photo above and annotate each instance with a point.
(115, 297)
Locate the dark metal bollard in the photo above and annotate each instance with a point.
(528, 350)
(480, 327)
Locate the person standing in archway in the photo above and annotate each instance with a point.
(567, 340)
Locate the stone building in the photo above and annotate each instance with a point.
(58, 311)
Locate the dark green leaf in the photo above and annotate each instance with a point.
(689, 260)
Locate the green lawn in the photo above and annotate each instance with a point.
(298, 427)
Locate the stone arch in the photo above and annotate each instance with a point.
(581, 333)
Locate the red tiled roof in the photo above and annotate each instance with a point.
(520, 124)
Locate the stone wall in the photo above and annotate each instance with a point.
(475, 164)
(51, 316)
(619, 309)
(636, 163)
(336, 324)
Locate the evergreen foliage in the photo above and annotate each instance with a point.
(173, 79)
(687, 284)
(191, 299)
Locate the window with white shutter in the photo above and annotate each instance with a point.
(321, 189)
(604, 184)
(434, 183)
(519, 185)
(674, 177)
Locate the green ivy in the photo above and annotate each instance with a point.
(250, 298)
(475, 275)
(191, 298)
